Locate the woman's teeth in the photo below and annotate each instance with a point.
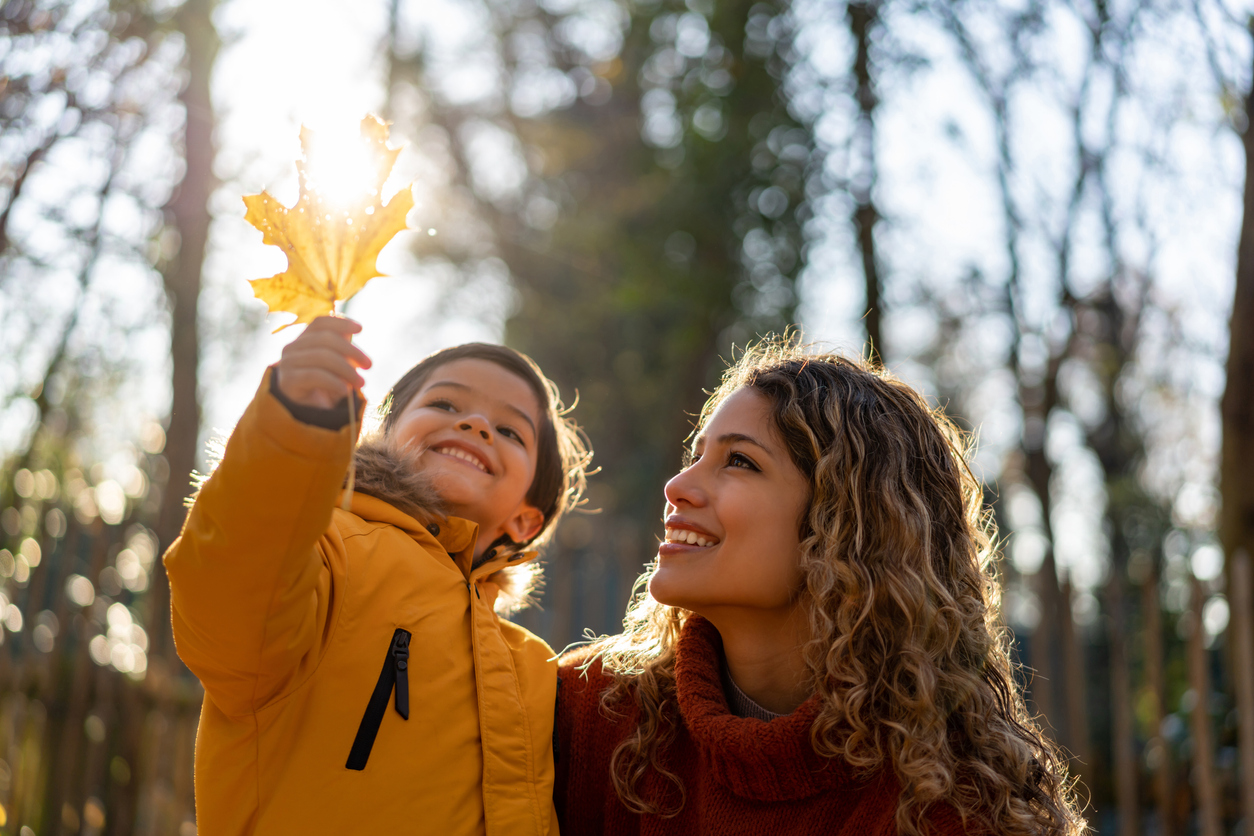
(463, 455)
(692, 538)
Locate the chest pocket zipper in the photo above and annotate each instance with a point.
(393, 677)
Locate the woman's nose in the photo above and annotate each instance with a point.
(685, 487)
(476, 424)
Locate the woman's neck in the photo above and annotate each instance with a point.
(765, 659)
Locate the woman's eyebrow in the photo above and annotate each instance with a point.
(456, 385)
(732, 438)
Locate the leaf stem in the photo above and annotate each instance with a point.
(347, 500)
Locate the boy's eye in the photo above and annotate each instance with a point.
(440, 403)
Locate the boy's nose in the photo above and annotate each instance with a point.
(476, 424)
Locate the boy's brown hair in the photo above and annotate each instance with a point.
(562, 450)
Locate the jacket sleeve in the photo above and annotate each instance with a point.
(252, 574)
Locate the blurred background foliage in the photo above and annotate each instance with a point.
(1030, 210)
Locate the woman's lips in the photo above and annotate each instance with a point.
(681, 535)
(684, 538)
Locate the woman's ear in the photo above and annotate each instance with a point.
(525, 524)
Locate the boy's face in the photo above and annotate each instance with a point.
(476, 427)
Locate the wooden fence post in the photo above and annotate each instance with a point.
(1123, 742)
(1242, 635)
(1154, 665)
(1204, 787)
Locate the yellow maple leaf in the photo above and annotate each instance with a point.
(331, 241)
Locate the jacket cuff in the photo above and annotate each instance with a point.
(335, 418)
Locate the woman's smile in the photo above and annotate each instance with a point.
(683, 537)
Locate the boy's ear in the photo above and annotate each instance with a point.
(525, 524)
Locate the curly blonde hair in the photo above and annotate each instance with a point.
(908, 655)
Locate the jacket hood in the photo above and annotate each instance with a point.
(388, 472)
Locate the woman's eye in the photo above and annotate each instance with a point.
(740, 460)
(510, 432)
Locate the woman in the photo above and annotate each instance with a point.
(819, 649)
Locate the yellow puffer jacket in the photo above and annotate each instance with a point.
(293, 615)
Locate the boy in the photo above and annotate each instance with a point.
(356, 676)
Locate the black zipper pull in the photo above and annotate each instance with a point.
(400, 657)
(395, 675)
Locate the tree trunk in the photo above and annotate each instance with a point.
(157, 809)
(1236, 477)
(189, 208)
(862, 17)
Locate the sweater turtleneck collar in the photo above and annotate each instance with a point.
(754, 759)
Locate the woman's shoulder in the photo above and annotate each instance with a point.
(582, 684)
(587, 731)
(943, 819)
(580, 670)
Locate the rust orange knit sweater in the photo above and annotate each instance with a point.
(740, 775)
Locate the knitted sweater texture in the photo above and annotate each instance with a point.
(740, 775)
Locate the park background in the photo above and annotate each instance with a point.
(1034, 211)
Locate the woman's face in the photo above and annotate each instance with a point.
(733, 518)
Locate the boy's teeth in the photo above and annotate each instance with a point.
(463, 455)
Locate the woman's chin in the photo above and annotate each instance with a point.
(668, 586)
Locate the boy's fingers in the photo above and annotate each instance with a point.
(321, 359)
(352, 353)
(314, 387)
(330, 341)
(320, 366)
(325, 352)
(337, 324)
(333, 362)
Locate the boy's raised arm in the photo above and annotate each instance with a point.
(250, 586)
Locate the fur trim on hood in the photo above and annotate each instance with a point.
(386, 471)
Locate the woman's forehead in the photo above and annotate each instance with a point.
(745, 411)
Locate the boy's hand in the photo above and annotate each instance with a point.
(318, 367)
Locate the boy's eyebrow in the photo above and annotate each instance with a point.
(454, 384)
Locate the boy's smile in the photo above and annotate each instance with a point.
(475, 426)
(463, 452)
